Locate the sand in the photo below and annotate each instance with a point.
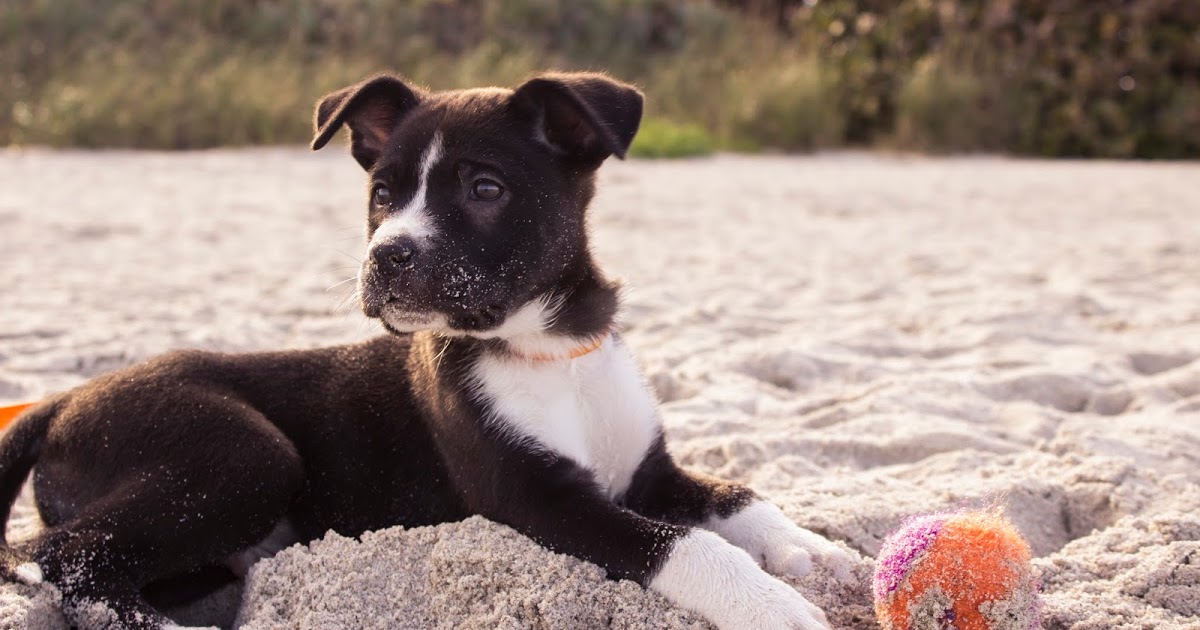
(858, 337)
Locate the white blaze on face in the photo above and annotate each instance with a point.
(413, 219)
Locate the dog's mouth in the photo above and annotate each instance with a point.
(406, 319)
(399, 317)
(404, 305)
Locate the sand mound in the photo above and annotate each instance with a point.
(474, 574)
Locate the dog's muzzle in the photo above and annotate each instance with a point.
(387, 275)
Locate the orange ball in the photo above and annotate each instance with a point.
(964, 570)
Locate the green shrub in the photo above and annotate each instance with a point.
(1100, 79)
(870, 46)
(1055, 77)
(660, 138)
(940, 108)
(790, 107)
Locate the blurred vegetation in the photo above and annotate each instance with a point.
(660, 138)
(1102, 78)
(1091, 78)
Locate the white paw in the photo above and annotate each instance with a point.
(29, 573)
(706, 574)
(799, 543)
(786, 559)
(781, 546)
(780, 607)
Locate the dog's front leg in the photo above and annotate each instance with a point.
(557, 504)
(662, 490)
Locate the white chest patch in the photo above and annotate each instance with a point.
(596, 410)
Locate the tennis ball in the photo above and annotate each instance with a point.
(965, 570)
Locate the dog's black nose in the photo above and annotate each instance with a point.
(391, 258)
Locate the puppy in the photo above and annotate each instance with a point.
(503, 389)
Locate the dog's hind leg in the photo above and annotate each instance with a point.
(165, 516)
(98, 585)
(101, 560)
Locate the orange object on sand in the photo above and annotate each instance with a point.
(965, 570)
(8, 413)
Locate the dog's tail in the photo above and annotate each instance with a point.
(19, 449)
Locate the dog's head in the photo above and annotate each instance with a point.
(476, 210)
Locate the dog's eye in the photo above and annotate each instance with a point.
(486, 190)
(381, 195)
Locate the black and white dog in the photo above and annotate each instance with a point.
(504, 390)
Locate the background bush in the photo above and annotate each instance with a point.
(1092, 78)
(660, 138)
(1103, 78)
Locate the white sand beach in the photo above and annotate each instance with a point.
(860, 338)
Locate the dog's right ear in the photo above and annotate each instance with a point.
(372, 109)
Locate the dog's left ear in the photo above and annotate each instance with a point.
(372, 109)
(587, 116)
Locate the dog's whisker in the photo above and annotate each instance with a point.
(338, 284)
(352, 292)
(437, 361)
(348, 300)
(351, 257)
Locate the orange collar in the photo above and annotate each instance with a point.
(585, 349)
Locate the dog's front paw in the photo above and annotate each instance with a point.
(781, 546)
(706, 574)
(794, 552)
(781, 607)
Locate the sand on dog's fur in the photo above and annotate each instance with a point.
(859, 338)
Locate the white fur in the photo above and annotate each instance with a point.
(531, 320)
(413, 219)
(29, 573)
(524, 330)
(403, 321)
(281, 537)
(172, 626)
(778, 544)
(596, 409)
(706, 574)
